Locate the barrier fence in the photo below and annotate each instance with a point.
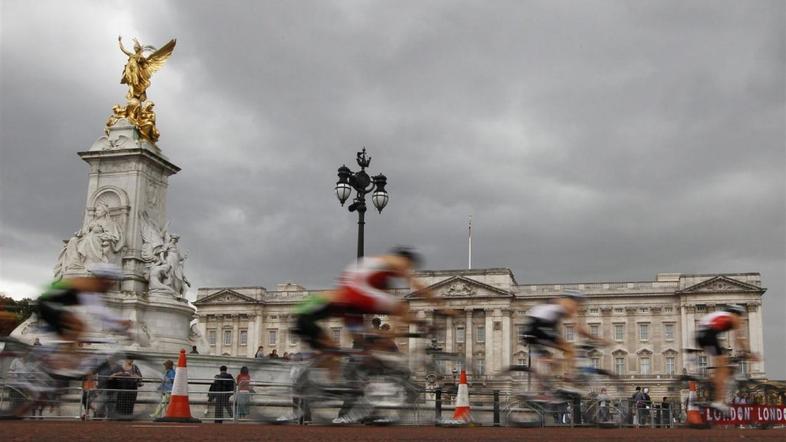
(264, 402)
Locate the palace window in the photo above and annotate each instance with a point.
(619, 332)
(595, 330)
(211, 337)
(460, 334)
(596, 362)
(480, 336)
(293, 338)
(480, 367)
(644, 332)
(703, 365)
(645, 365)
(227, 337)
(670, 365)
(243, 337)
(570, 333)
(619, 365)
(668, 332)
(272, 336)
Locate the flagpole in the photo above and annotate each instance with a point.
(469, 255)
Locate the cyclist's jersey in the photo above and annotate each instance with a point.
(717, 322)
(61, 297)
(361, 287)
(547, 314)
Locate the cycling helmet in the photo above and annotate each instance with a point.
(409, 253)
(576, 295)
(736, 309)
(105, 271)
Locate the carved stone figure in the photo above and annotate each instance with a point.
(101, 238)
(69, 258)
(165, 260)
(160, 280)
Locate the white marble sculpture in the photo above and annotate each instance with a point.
(164, 259)
(100, 240)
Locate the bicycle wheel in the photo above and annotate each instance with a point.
(522, 412)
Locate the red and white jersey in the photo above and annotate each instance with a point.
(717, 321)
(371, 272)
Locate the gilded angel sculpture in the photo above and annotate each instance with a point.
(136, 74)
(139, 69)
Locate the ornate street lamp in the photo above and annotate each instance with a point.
(363, 184)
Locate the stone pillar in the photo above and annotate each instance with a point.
(468, 341)
(506, 344)
(489, 344)
(413, 344)
(235, 335)
(755, 340)
(449, 334)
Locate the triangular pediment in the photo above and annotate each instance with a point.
(721, 284)
(462, 287)
(226, 296)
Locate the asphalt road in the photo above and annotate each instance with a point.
(131, 431)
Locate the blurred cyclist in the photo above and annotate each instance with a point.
(361, 291)
(543, 327)
(710, 326)
(56, 306)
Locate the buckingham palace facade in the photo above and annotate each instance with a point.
(649, 322)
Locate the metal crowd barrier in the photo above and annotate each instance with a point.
(267, 401)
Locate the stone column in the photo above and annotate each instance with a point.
(413, 344)
(449, 334)
(235, 335)
(220, 335)
(250, 347)
(506, 344)
(755, 340)
(489, 344)
(256, 332)
(468, 341)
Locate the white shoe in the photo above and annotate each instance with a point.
(344, 420)
(720, 406)
(292, 417)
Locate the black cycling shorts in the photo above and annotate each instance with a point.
(541, 332)
(707, 339)
(52, 314)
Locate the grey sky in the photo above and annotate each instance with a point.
(592, 141)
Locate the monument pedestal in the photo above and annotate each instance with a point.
(125, 224)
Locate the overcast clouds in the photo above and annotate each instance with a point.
(593, 141)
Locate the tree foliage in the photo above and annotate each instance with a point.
(13, 312)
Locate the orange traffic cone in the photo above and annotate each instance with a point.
(461, 412)
(694, 419)
(178, 409)
(461, 416)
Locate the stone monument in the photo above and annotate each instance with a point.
(125, 216)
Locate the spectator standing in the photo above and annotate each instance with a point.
(665, 412)
(220, 390)
(603, 406)
(273, 354)
(104, 400)
(194, 350)
(165, 389)
(642, 402)
(126, 379)
(37, 342)
(244, 390)
(634, 419)
(88, 395)
(260, 354)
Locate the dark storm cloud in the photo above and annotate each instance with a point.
(592, 141)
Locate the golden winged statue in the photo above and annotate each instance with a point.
(136, 74)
